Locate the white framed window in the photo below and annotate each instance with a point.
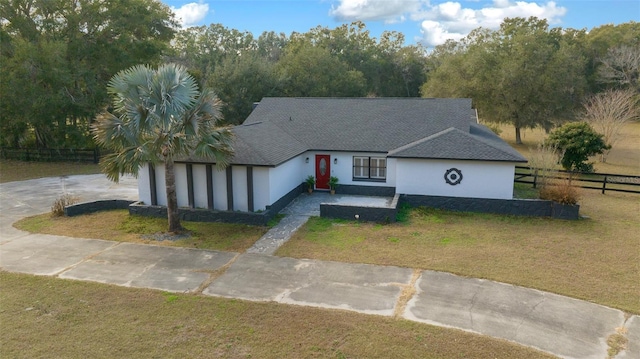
(378, 168)
(369, 168)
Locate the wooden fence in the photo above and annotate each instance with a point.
(600, 181)
(51, 155)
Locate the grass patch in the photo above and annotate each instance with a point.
(596, 259)
(19, 171)
(47, 317)
(118, 225)
(275, 220)
(319, 231)
(403, 214)
(525, 191)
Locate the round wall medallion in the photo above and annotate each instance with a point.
(453, 176)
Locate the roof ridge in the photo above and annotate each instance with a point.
(422, 140)
(274, 123)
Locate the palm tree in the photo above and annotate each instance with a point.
(156, 117)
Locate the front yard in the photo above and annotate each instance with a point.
(595, 259)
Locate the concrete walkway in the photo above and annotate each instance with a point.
(563, 326)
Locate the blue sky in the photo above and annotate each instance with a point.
(430, 22)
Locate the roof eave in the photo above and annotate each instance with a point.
(457, 159)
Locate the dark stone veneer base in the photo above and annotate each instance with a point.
(367, 214)
(207, 215)
(96, 206)
(375, 191)
(516, 207)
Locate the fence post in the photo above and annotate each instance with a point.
(604, 184)
(96, 155)
(535, 177)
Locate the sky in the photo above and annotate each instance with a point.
(428, 22)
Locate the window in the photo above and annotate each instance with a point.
(369, 168)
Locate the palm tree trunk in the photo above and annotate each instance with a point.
(172, 199)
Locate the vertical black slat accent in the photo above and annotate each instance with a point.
(192, 200)
(229, 189)
(250, 188)
(209, 187)
(152, 185)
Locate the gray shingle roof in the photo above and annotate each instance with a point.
(362, 124)
(279, 129)
(455, 144)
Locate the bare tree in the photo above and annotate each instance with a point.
(607, 112)
(621, 66)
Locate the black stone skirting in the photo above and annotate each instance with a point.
(96, 206)
(368, 214)
(207, 215)
(278, 205)
(203, 215)
(517, 207)
(375, 191)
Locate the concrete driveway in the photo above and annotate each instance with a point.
(563, 326)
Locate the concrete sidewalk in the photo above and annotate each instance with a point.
(556, 324)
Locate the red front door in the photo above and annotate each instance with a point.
(323, 171)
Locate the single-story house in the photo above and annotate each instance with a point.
(375, 146)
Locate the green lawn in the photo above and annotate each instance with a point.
(118, 225)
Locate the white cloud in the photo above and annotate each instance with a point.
(191, 14)
(385, 10)
(434, 33)
(449, 20)
(440, 21)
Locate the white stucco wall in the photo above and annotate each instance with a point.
(479, 179)
(261, 193)
(286, 177)
(144, 190)
(200, 186)
(182, 192)
(409, 176)
(161, 189)
(240, 197)
(219, 189)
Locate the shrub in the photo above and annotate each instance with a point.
(544, 160)
(578, 141)
(561, 191)
(57, 208)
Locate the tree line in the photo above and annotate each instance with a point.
(530, 75)
(58, 56)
